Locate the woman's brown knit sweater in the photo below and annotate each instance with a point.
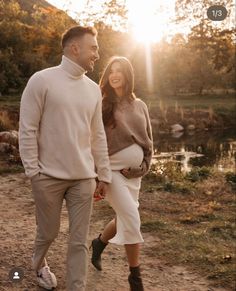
(132, 126)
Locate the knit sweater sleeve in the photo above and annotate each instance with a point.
(149, 151)
(31, 109)
(99, 144)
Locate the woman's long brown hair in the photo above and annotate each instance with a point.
(110, 99)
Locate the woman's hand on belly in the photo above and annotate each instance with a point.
(133, 172)
(125, 172)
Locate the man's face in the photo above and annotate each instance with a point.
(86, 51)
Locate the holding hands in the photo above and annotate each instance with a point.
(100, 191)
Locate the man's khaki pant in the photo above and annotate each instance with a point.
(48, 194)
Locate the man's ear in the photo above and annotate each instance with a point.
(75, 48)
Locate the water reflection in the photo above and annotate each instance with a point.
(217, 150)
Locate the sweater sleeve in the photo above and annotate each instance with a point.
(149, 151)
(31, 109)
(99, 144)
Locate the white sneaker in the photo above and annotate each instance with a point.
(46, 278)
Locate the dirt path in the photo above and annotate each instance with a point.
(17, 231)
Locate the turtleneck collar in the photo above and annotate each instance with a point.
(74, 70)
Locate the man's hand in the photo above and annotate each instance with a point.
(100, 191)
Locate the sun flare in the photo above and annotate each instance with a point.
(149, 19)
(148, 31)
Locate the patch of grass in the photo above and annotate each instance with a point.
(3, 126)
(10, 101)
(194, 218)
(198, 174)
(221, 102)
(169, 186)
(196, 230)
(206, 217)
(231, 179)
(5, 123)
(153, 225)
(11, 169)
(223, 230)
(146, 187)
(179, 187)
(105, 211)
(153, 181)
(9, 112)
(204, 253)
(227, 114)
(189, 220)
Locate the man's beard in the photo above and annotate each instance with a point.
(87, 66)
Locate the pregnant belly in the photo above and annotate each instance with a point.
(131, 156)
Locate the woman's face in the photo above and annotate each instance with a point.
(116, 77)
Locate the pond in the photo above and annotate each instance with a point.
(210, 149)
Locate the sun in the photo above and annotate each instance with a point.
(148, 31)
(149, 19)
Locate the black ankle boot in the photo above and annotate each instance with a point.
(97, 248)
(135, 280)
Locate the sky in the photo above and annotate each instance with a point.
(149, 19)
(143, 15)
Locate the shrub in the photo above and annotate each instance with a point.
(198, 174)
(231, 179)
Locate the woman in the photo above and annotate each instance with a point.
(129, 138)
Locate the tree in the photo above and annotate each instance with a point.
(211, 44)
(111, 13)
(29, 40)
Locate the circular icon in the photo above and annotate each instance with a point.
(217, 12)
(16, 274)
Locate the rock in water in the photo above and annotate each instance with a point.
(176, 128)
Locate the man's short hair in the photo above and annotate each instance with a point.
(76, 32)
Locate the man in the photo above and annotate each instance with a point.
(62, 141)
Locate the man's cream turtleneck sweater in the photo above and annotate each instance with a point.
(61, 133)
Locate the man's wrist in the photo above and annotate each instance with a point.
(103, 181)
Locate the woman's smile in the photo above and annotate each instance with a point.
(116, 76)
